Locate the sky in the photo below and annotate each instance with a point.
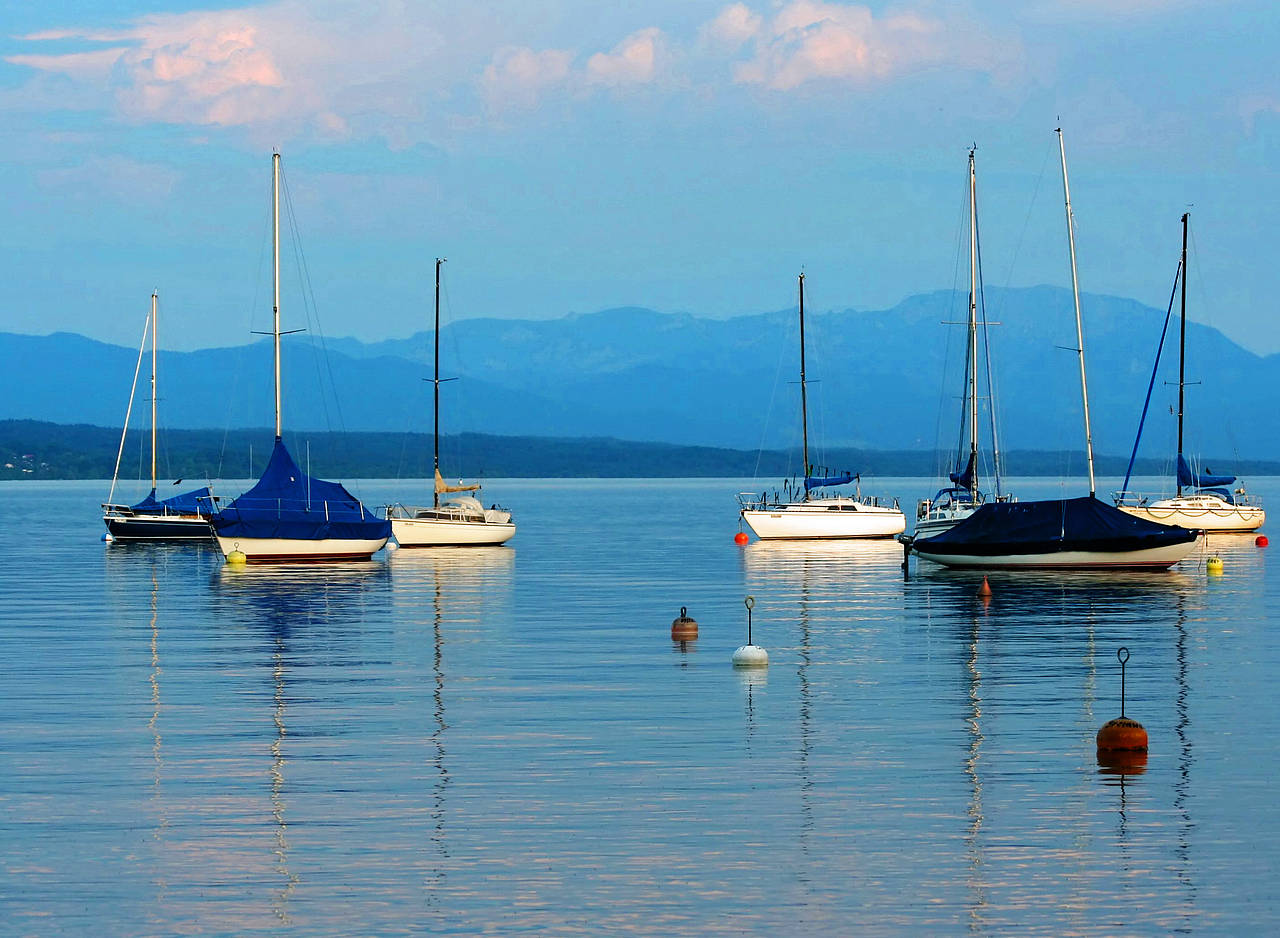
(569, 156)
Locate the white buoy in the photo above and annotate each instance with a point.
(107, 538)
(392, 545)
(749, 655)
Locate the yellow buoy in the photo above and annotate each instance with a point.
(1213, 566)
(237, 557)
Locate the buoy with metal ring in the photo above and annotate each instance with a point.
(741, 538)
(237, 558)
(1262, 541)
(683, 629)
(749, 655)
(1121, 735)
(1213, 566)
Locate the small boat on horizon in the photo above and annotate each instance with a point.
(289, 515)
(456, 522)
(1063, 533)
(802, 514)
(1211, 505)
(182, 517)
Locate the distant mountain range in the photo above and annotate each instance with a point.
(880, 380)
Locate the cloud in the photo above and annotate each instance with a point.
(633, 61)
(519, 75)
(734, 25)
(812, 40)
(282, 67)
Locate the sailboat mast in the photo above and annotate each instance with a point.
(1075, 292)
(1182, 345)
(804, 406)
(973, 327)
(275, 277)
(435, 425)
(152, 392)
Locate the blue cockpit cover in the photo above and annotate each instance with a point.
(1199, 480)
(196, 502)
(1051, 526)
(287, 503)
(815, 482)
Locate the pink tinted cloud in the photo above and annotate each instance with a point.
(518, 76)
(633, 61)
(813, 40)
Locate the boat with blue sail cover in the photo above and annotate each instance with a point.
(290, 515)
(183, 517)
(1063, 533)
(803, 512)
(1210, 504)
(953, 503)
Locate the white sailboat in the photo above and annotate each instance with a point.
(1061, 533)
(183, 517)
(963, 497)
(457, 522)
(811, 515)
(289, 515)
(1210, 504)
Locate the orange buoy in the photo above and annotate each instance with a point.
(1122, 734)
(1262, 540)
(741, 538)
(683, 629)
(985, 588)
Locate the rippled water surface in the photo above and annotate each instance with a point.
(506, 740)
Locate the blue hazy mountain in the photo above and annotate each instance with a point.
(886, 379)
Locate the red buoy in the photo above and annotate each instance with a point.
(741, 538)
(985, 588)
(1262, 540)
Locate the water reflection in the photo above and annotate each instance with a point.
(458, 582)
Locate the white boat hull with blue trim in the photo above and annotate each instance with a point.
(833, 518)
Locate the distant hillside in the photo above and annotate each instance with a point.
(886, 380)
(36, 450)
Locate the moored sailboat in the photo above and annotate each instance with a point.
(1210, 505)
(809, 515)
(457, 522)
(1067, 533)
(182, 517)
(288, 515)
(954, 503)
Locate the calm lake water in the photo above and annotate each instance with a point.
(506, 741)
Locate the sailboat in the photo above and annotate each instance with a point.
(1065, 533)
(1210, 505)
(811, 516)
(183, 517)
(963, 497)
(457, 522)
(288, 515)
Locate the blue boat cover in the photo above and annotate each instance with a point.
(1051, 526)
(287, 503)
(816, 482)
(1199, 480)
(196, 502)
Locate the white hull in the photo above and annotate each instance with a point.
(1200, 514)
(943, 519)
(1158, 557)
(434, 532)
(824, 518)
(285, 550)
